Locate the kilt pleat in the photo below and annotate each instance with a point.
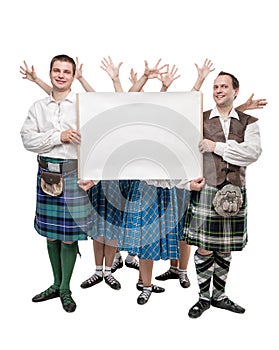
(108, 200)
(151, 222)
(206, 229)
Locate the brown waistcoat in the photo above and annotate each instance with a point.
(215, 169)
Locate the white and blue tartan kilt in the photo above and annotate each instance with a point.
(151, 222)
(108, 201)
(206, 229)
(67, 217)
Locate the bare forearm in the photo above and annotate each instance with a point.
(242, 108)
(43, 85)
(198, 84)
(87, 87)
(117, 85)
(139, 84)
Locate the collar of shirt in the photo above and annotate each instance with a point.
(71, 97)
(215, 113)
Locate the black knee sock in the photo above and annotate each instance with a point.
(221, 269)
(204, 267)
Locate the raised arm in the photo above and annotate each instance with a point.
(134, 78)
(113, 71)
(31, 75)
(149, 73)
(168, 78)
(202, 74)
(252, 104)
(78, 75)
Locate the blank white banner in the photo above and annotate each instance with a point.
(134, 135)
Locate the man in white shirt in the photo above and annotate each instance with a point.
(216, 220)
(63, 209)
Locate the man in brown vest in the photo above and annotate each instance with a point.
(216, 220)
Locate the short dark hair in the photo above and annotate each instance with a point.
(235, 82)
(64, 58)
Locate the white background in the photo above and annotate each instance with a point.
(240, 37)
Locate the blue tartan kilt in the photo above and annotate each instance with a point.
(151, 222)
(67, 217)
(108, 201)
(206, 229)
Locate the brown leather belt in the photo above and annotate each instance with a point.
(67, 166)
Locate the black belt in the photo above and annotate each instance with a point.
(69, 165)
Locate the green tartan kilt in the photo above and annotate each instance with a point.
(206, 229)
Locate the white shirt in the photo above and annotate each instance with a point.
(46, 120)
(241, 154)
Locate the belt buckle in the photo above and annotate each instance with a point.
(55, 167)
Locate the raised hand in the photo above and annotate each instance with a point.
(252, 104)
(109, 67)
(154, 72)
(133, 76)
(255, 104)
(78, 74)
(28, 73)
(168, 77)
(205, 69)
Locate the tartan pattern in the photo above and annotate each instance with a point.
(206, 229)
(221, 269)
(204, 267)
(108, 200)
(66, 217)
(183, 198)
(150, 222)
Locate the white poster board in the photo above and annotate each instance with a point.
(140, 135)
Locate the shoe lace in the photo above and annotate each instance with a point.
(110, 279)
(133, 263)
(115, 263)
(183, 277)
(145, 294)
(48, 291)
(167, 273)
(155, 287)
(202, 303)
(228, 301)
(93, 278)
(66, 296)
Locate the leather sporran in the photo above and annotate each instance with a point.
(228, 200)
(51, 183)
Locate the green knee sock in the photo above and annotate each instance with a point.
(54, 250)
(68, 259)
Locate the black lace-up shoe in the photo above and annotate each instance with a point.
(117, 264)
(144, 295)
(198, 309)
(227, 304)
(112, 282)
(168, 275)
(134, 264)
(155, 289)
(91, 281)
(49, 293)
(67, 301)
(184, 280)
